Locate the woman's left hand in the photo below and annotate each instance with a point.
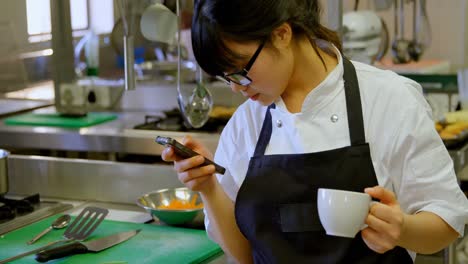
(385, 221)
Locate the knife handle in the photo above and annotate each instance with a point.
(61, 251)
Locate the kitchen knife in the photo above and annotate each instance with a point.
(85, 247)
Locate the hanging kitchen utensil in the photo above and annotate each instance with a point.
(118, 31)
(158, 23)
(364, 38)
(425, 31)
(385, 41)
(117, 34)
(421, 30)
(128, 44)
(80, 229)
(400, 44)
(197, 107)
(415, 48)
(199, 104)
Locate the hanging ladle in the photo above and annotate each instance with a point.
(199, 104)
(158, 23)
(400, 44)
(196, 111)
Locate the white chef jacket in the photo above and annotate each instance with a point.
(408, 155)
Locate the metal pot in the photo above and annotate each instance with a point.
(3, 171)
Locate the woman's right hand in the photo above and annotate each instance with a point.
(189, 173)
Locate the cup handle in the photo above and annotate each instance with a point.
(364, 226)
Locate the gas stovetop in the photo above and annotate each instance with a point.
(10, 208)
(173, 121)
(16, 213)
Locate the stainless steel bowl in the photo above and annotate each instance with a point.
(151, 201)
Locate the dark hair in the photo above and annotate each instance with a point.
(215, 21)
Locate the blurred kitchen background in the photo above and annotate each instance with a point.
(79, 110)
(26, 46)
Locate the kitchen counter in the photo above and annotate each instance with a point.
(110, 137)
(128, 213)
(14, 106)
(134, 214)
(123, 213)
(118, 136)
(113, 185)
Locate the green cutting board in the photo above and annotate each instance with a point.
(58, 120)
(154, 244)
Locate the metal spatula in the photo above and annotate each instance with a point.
(80, 229)
(85, 223)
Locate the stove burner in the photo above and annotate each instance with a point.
(170, 123)
(174, 121)
(10, 208)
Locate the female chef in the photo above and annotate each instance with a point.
(314, 119)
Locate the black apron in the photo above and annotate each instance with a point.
(276, 207)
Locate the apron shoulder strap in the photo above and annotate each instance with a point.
(265, 133)
(353, 104)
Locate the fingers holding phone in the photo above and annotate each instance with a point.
(197, 146)
(190, 162)
(170, 153)
(193, 174)
(181, 151)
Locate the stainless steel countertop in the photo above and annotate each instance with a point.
(118, 136)
(114, 136)
(12, 106)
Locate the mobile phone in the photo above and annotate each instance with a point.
(186, 152)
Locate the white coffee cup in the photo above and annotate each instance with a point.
(342, 213)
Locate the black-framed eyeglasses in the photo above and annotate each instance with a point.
(241, 77)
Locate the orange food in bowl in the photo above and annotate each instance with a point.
(447, 135)
(451, 130)
(182, 205)
(456, 128)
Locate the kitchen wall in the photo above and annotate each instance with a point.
(449, 24)
(448, 20)
(15, 12)
(38, 66)
(15, 73)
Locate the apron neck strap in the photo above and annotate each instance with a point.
(353, 104)
(265, 134)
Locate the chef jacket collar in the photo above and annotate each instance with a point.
(323, 93)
